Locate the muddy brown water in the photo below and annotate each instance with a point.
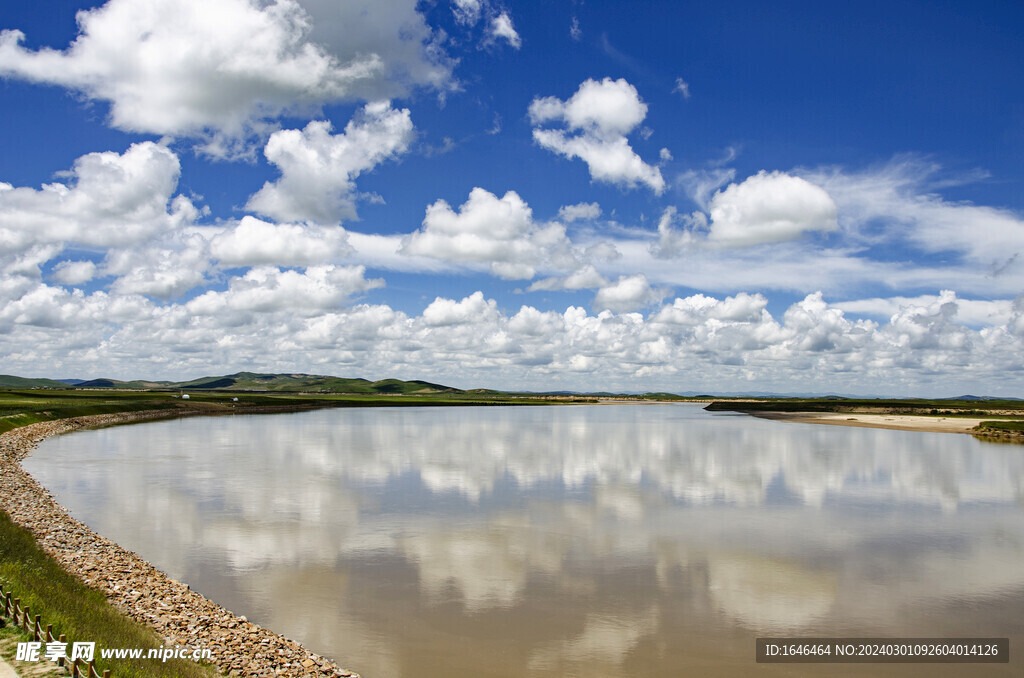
(596, 540)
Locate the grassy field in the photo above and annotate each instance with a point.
(1003, 425)
(81, 613)
(23, 407)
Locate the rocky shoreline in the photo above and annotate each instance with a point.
(179, 615)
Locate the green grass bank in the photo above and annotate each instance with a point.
(79, 612)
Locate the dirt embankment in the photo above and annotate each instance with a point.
(180, 616)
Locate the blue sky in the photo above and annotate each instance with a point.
(791, 196)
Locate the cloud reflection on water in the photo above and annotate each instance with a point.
(620, 514)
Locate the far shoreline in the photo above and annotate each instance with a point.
(989, 420)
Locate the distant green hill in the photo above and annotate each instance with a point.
(8, 381)
(114, 383)
(252, 381)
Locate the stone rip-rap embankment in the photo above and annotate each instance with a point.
(181, 617)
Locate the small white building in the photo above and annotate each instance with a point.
(184, 396)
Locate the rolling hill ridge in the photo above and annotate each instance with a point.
(248, 381)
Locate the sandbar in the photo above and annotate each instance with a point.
(900, 422)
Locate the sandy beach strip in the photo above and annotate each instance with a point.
(899, 422)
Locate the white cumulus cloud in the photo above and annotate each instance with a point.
(253, 242)
(597, 119)
(166, 269)
(583, 211)
(472, 309)
(770, 207)
(585, 278)
(698, 309)
(489, 230)
(267, 289)
(221, 69)
(108, 200)
(502, 28)
(973, 312)
(278, 320)
(628, 293)
(318, 169)
(74, 272)
(672, 241)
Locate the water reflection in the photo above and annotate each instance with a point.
(592, 540)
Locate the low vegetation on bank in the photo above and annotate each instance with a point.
(914, 406)
(1010, 431)
(21, 408)
(79, 612)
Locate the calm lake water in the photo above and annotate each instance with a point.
(600, 540)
